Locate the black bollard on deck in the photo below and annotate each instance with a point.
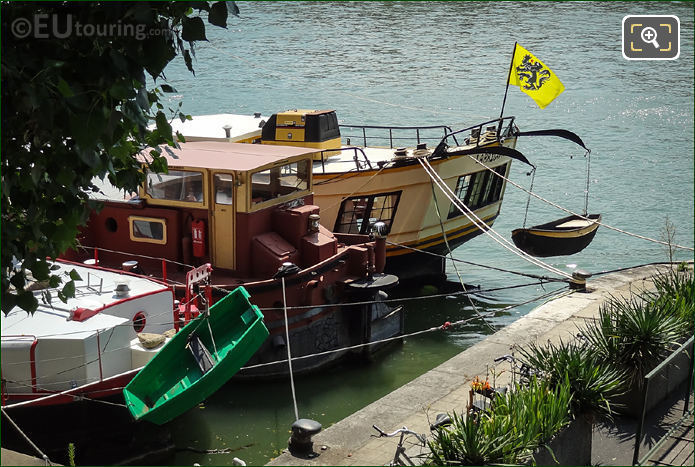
(300, 443)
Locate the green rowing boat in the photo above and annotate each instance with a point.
(198, 360)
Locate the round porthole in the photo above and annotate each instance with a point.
(139, 321)
(111, 224)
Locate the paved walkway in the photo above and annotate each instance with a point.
(446, 387)
(8, 457)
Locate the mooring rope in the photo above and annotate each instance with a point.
(289, 353)
(446, 325)
(31, 443)
(481, 225)
(580, 216)
(451, 254)
(485, 266)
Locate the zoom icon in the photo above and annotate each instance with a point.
(651, 37)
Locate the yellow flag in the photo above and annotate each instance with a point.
(534, 78)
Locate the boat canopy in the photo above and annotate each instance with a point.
(217, 155)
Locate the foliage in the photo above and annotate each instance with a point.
(675, 291)
(634, 334)
(76, 106)
(71, 454)
(592, 380)
(516, 424)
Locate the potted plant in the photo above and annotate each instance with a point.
(517, 424)
(635, 334)
(591, 381)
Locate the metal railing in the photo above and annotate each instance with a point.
(391, 138)
(356, 157)
(477, 135)
(685, 348)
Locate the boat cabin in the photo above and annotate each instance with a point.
(220, 203)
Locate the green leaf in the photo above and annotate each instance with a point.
(27, 301)
(168, 88)
(36, 173)
(68, 291)
(54, 281)
(87, 128)
(64, 88)
(159, 165)
(18, 280)
(75, 276)
(163, 126)
(121, 91)
(9, 301)
(188, 60)
(142, 99)
(40, 271)
(89, 157)
(218, 14)
(193, 29)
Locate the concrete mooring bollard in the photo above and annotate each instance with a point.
(300, 443)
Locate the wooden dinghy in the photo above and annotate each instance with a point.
(561, 237)
(198, 360)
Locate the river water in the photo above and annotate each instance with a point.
(427, 63)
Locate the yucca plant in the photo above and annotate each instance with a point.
(517, 424)
(675, 291)
(635, 334)
(591, 380)
(473, 441)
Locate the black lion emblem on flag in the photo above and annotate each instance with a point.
(532, 74)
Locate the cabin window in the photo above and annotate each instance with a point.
(461, 190)
(478, 189)
(496, 184)
(224, 188)
(359, 213)
(177, 185)
(148, 229)
(280, 181)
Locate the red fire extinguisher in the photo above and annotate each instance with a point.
(198, 234)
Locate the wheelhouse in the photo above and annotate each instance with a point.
(248, 178)
(214, 200)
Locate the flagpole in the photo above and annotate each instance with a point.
(511, 64)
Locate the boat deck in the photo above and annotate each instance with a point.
(95, 289)
(53, 322)
(243, 127)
